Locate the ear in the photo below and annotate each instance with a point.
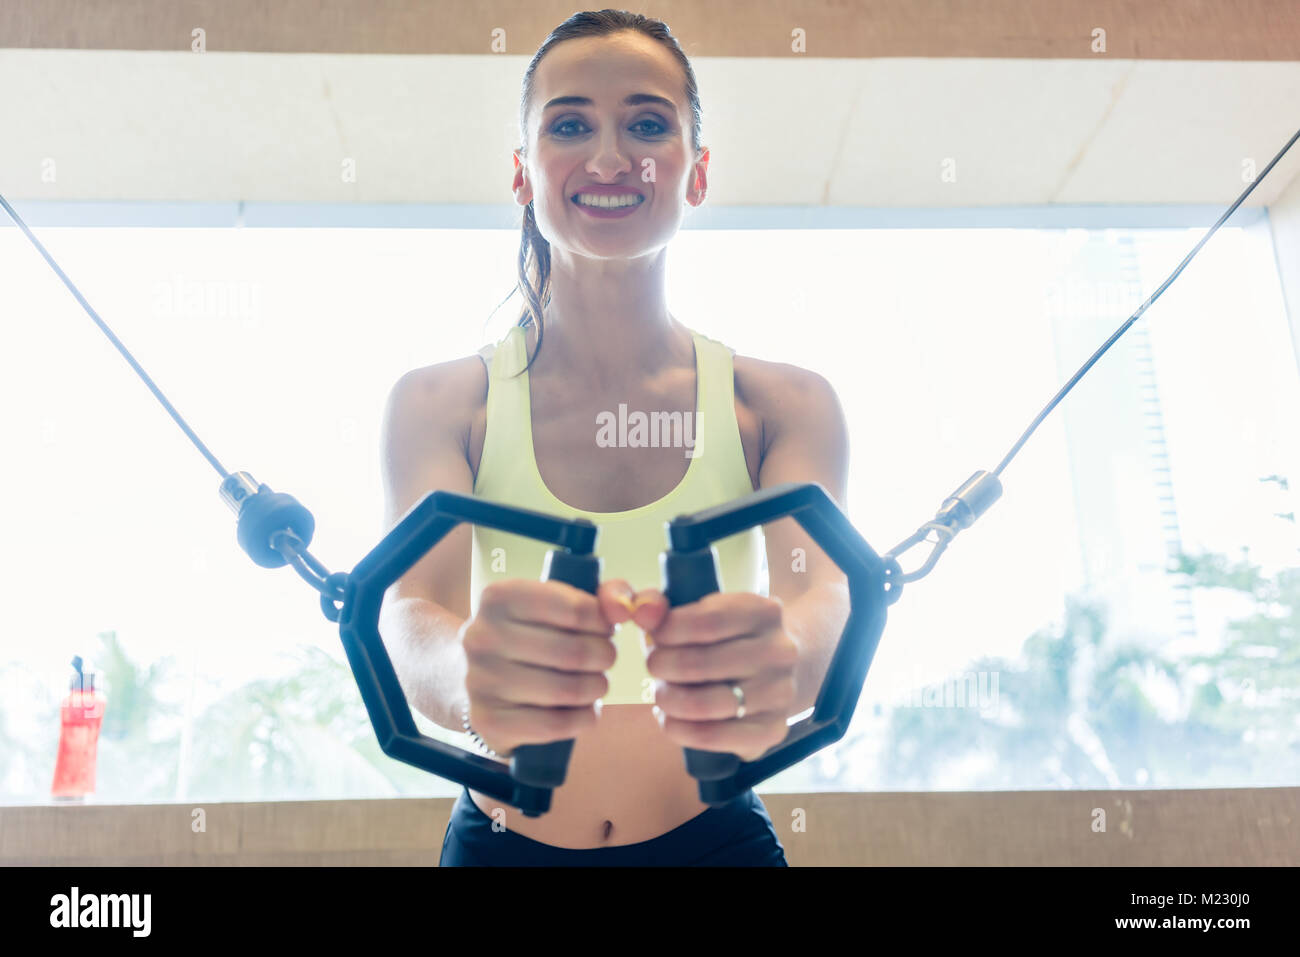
(699, 179)
(520, 186)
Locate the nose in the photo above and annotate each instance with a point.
(609, 160)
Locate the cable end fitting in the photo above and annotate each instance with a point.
(263, 513)
(960, 509)
(238, 488)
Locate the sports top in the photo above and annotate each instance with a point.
(628, 542)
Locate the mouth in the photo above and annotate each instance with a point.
(613, 201)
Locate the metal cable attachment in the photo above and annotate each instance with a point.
(275, 529)
(893, 580)
(959, 511)
(331, 603)
(946, 535)
(290, 546)
(331, 587)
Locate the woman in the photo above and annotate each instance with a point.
(610, 117)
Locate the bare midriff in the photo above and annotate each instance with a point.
(626, 783)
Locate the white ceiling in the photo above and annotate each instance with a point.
(222, 127)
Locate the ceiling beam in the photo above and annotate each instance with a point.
(1050, 29)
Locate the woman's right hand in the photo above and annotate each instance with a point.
(536, 653)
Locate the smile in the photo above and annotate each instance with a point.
(596, 201)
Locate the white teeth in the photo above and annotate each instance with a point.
(607, 202)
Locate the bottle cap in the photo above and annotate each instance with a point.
(82, 680)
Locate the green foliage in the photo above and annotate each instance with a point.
(135, 691)
(139, 737)
(303, 736)
(1077, 710)
(1252, 687)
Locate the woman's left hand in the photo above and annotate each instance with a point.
(699, 650)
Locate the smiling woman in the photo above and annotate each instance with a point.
(605, 54)
(610, 151)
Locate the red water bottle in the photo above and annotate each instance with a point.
(82, 712)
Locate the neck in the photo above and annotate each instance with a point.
(608, 321)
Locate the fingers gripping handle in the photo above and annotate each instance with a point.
(690, 571)
(545, 765)
(688, 576)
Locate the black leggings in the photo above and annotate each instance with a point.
(738, 834)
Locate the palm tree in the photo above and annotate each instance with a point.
(305, 735)
(1077, 711)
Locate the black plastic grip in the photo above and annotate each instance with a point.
(686, 577)
(545, 765)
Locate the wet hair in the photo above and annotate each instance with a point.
(534, 251)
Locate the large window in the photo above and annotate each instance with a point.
(1124, 616)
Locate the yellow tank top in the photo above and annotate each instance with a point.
(629, 542)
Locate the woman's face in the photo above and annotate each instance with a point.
(643, 147)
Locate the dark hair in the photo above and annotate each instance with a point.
(534, 250)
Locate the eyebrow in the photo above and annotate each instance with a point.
(636, 99)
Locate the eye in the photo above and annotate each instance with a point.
(653, 121)
(658, 127)
(559, 126)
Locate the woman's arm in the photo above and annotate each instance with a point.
(424, 450)
(808, 442)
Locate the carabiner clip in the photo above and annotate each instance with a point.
(959, 511)
(946, 535)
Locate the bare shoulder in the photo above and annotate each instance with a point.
(780, 393)
(444, 397)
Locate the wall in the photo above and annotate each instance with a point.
(1200, 827)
